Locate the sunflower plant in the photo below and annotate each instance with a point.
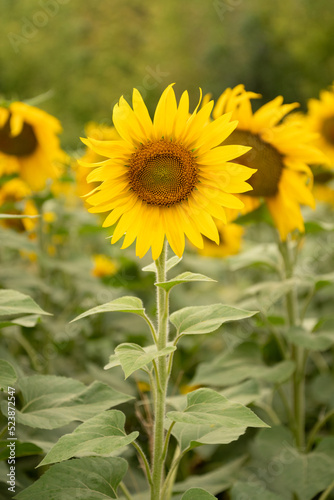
(163, 180)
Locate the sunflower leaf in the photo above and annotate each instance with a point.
(8, 375)
(197, 494)
(15, 304)
(100, 435)
(210, 418)
(169, 264)
(133, 357)
(123, 304)
(186, 277)
(205, 319)
(314, 341)
(50, 401)
(92, 477)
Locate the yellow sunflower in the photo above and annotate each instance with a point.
(280, 152)
(29, 145)
(320, 119)
(166, 177)
(230, 236)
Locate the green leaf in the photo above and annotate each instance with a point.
(13, 303)
(50, 401)
(86, 478)
(251, 491)
(186, 277)
(8, 375)
(264, 254)
(243, 363)
(314, 226)
(21, 449)
(215, 481)
(282, 470)
(123, 304)
(313, 341)
(197, 494)
(210, 418)
(169, 264)
(100, 435)
(205, 319)
(323, 280)
(133, 357)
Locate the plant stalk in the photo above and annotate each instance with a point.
(161, 380)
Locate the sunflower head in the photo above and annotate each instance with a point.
(281, 152)
(320, 119)
(29, 145)
(166, 177)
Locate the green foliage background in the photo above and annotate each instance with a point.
(91, 52)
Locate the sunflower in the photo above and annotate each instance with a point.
(320, 119)
(281, 152)
(103, 266)
(230, 236)
(167, 177)
(29, 146)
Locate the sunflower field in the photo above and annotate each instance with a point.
(167, 250)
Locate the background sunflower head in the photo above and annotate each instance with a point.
(29, 144)
(281, 152)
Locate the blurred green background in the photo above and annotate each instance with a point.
(90, 52)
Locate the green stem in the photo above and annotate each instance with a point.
(327, 492)
(125, 491)
(162, 379)
(297, 352)
(316, 429)
(172, 472)
(145, 462)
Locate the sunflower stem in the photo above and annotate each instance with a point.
(161, 380)
(298, 353)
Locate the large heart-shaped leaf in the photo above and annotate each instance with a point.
(86, 478)
(210, 418)
(100, 435)
(50, 401)
(14, 304)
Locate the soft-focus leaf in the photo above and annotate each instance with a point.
(8, 375)
(205, 319)
(123, 304)
(21, 449)
(243, 363)
(197, 494)
(100, 435)
(50, 401)
(86, 478)
(314, 341)
(13, 303)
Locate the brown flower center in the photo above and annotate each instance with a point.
(162, 173)
(23, 144)
(264, 157)
(328, 130)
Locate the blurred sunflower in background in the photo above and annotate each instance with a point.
(166, 177)
(320, 119)
(281, 152)
(29, 144)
